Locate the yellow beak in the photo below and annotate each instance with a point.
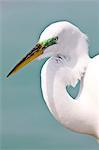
(33, 54)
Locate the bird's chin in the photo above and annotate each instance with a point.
(45, 55)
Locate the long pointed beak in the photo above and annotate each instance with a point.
(33, 54)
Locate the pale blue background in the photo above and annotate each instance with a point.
(26, 122)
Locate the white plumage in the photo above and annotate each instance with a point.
(69, 63)
(68, 48)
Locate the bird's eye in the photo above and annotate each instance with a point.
(55, 39)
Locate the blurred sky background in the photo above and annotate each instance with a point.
(24, 118)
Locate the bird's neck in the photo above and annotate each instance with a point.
(55, 76)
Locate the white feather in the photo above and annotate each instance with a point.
(69, 63)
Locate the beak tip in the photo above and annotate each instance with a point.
(7, 76)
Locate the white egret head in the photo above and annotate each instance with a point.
(60, 38)
(70, 40)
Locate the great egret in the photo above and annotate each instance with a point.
(69, 62)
